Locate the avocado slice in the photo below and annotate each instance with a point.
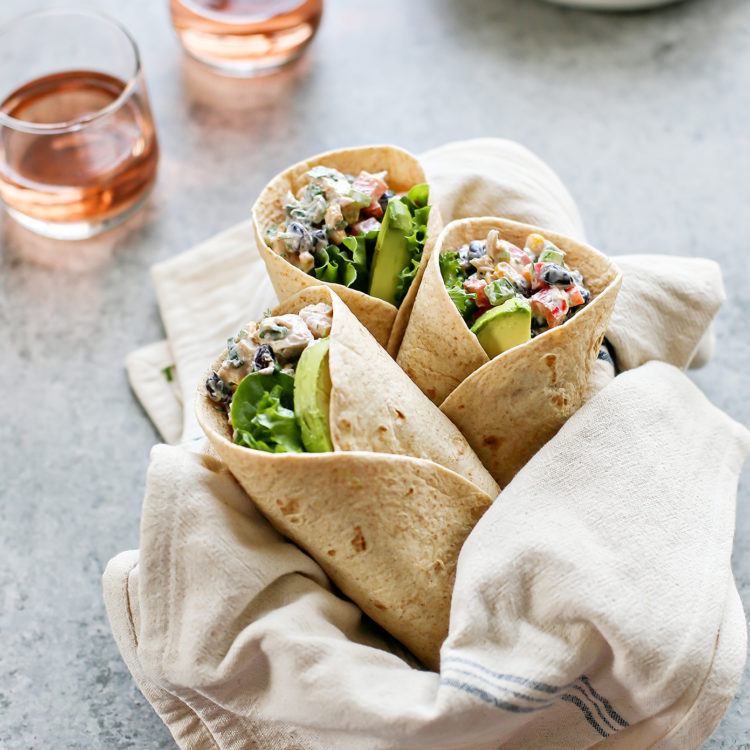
(504, 326)
(391, 253)
(312, 393)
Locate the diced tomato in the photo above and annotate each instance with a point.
(374, 211)
(371, 185)
(574, 295)
(476, 286)
(552, 303)
(365, 226)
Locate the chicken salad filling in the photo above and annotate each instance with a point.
(354, 231)
(506, 294)
(274, 383)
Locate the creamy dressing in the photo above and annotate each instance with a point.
(496, 270)
(324, 212)
(275, 341)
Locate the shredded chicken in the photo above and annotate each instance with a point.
(287, 335)
(333, 215)
(244, 348)
(484, 265)
(318, 318)
(306, 261)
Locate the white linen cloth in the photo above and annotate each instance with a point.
(594, 604)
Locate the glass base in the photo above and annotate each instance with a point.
(74, 230)
(244, 68)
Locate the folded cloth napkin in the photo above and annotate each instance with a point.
(594, 603)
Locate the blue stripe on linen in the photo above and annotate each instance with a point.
(455, 670)
(488, 698)
(607, 723)
(538, 686)
(584, 703)
(607, 705)
(585, 710)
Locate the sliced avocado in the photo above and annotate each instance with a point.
(312, 393)
(391, 253)
(504, 327)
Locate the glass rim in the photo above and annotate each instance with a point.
(76, 123)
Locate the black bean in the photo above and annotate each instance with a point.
(320, 238)
(263, 358)
(217, 389)
(476, 249)
(383, 200)
(463, 260)
(523, 286)
(305, 241)
(555, 275)
(467, 253)
(578, 281)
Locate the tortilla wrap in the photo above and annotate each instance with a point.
(385, 514)
(507, 408)
(384, 321)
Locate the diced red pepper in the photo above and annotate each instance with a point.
(574, 295)
(536, 282)
(365, 226)
(476, 286)
(517, 255)
(552, 303)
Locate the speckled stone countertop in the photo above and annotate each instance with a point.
(645, 116)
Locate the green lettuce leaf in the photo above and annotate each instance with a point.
(262, 413)
(326, 267)
(347, 263)
(451, 271)
(417, 198)
(416, 201)
(453, 278)
(464, 301)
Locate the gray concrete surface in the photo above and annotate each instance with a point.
(645, 116)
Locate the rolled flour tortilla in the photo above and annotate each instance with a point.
(386, 513)
(384, 321)
(507, 407)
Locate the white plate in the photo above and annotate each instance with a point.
(613, 5)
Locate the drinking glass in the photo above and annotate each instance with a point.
(78, 150)
(245, 37)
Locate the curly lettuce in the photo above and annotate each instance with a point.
(416, 201)
(451, 270)
(453, 278)
(262, 413)
(348, 263)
